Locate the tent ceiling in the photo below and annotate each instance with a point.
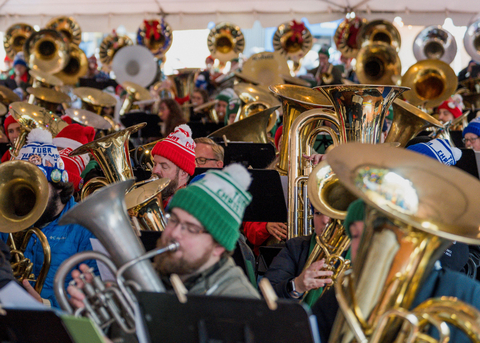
(105, 15)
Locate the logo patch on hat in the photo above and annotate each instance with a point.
(56, 175)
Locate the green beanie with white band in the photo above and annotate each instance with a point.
(218, 201)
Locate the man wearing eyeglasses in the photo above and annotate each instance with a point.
(174, 158)
(471, 135)
(208, 154)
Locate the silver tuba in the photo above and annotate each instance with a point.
(107, 219)
(471, 40)
(435, 43)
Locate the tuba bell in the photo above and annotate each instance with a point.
(184, 84)
(47, 50)
(346, 34)
(110, 45)
(430, 81)
(408, 122)
(406, 230)
(68, 26)
(293, 41)
(47, 98)
(156, 36)
(24, 190)
(15, 37)
(76, 67)
(225, 41)
(252, 129)
(378, 63)
(46, 80)
(112, 154)
(436, 43)
(471, 40)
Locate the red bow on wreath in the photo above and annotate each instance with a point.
(151, 29)
(297, 29)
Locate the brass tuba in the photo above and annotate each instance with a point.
(225, 41)
(184, 84)
(436, 43)
(293, 41)
(47, 50)
(76, 67)
(68, 26)
(144, 203)
(251, 129)
(406, 230)
(378, 63)
(15, 37)
(361, 110)
(156, 35)
(346, 34)
(108, 221)
(110, 45)
(379, 31)
(24, 189)
(408, 122)
(112, 154)
(430, 81)
(134, 93)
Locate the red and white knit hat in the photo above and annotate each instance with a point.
(72, 137)
(8, 120)
(179, 148)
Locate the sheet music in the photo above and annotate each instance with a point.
(105, 272)
(13, 296)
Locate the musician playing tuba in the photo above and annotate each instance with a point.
(66, 240)
(287, 274)
(204, 218)
(444, 280)
(326, 73)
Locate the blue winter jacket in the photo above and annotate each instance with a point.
(65, 241)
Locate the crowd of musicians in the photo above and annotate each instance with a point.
(212, 250)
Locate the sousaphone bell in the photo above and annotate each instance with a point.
(135, 64)
(434, 42)
(68, 26)
(471, 40)
(47, 50)
(110, 45)
(15, 37)
(225, 41)
(156, 35)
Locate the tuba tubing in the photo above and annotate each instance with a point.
(109, 222)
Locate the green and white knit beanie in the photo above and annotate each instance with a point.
(226, 95)
(218, 201)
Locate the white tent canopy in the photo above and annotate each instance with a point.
(105, 15)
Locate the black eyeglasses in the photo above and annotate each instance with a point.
(172, 221)
(471, 140)
(202, 160)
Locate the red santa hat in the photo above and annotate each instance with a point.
(454, 105)
(72, 137)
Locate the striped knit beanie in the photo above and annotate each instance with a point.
(218, 201)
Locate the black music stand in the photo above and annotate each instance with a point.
(268, 201)
(152, 129)
(200, 129)
(256, 155)
(468, 162)
(39, 326)
(212, 319)
(98, 83)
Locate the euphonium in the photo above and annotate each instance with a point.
(108, 221)
(24, 197)
(112, 154)
(408, 121)
(406, 230)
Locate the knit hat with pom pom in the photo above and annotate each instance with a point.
(179, 148)
(44, 154)
(218, 201)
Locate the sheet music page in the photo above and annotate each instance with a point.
(13, 296)
(105, 272)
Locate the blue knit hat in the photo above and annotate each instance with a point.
(439, 149)
(473, 127)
